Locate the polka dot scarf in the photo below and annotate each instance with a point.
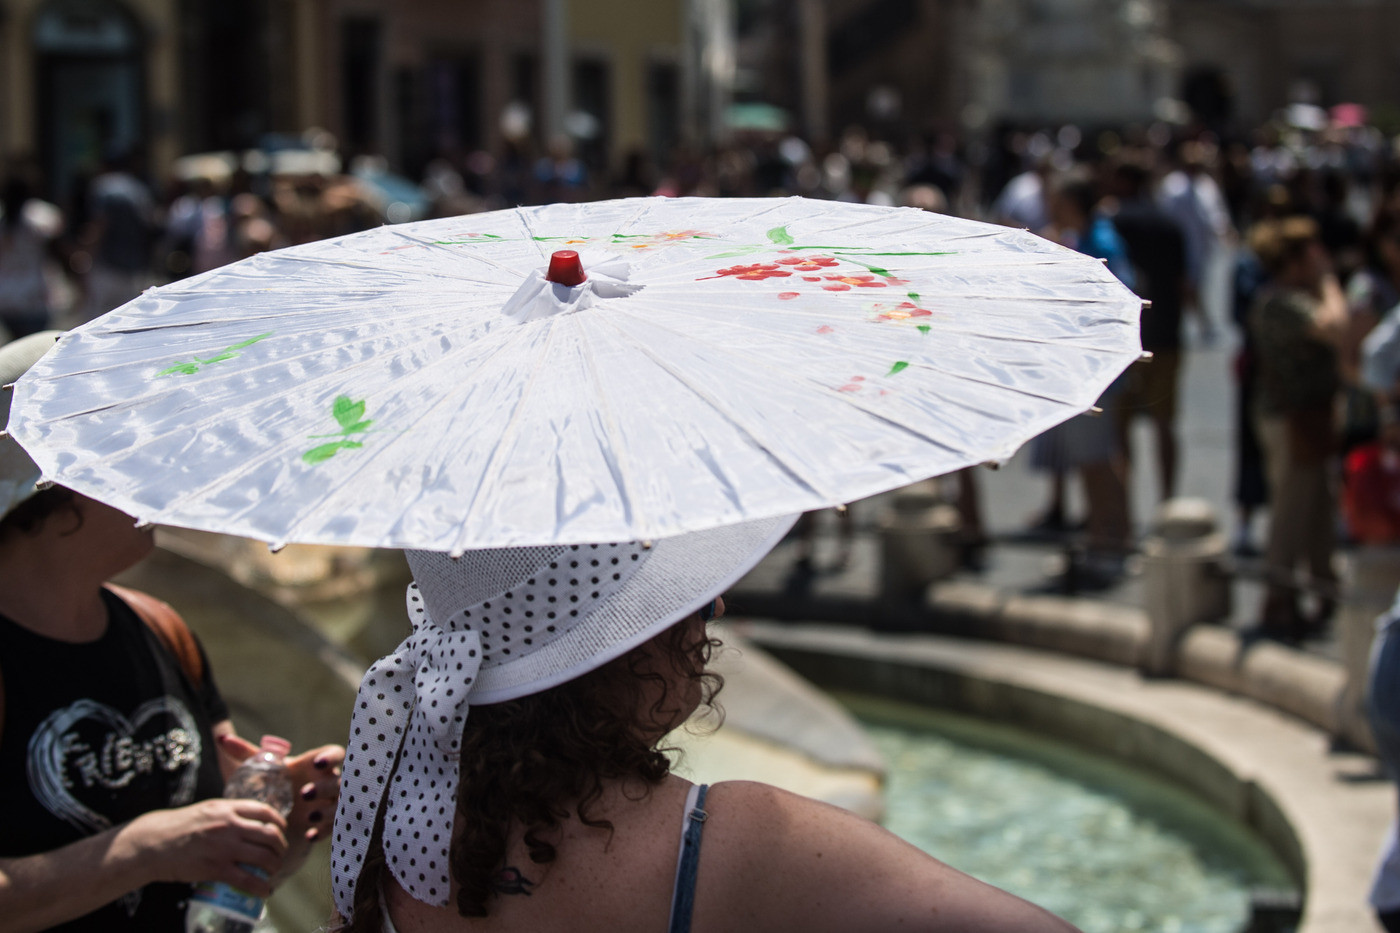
(405, 733)
(406, 729)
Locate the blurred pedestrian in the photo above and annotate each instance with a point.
(1374, 291)
(1157, 252)
(28, 228)
(559, 174)
(1298, 324)
(1371, 473)
(1250, 489)
(1373, 512)
(1383, 710)
(1371, 484)
(1087, 444)
(1336, 227)
(972, 532)
(120, 236)
(1191, 195)
(1024, 202)
(939, 165)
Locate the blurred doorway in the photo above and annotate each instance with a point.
(91, 90)
(590, 123)
(361, 42)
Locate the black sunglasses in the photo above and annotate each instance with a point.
(707, 611)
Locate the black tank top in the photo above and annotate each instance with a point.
(95, 734)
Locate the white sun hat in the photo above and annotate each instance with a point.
(18, 473)
(491, 626)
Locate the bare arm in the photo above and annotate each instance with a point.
(779, 861)
(1330, 319)
(207, 841)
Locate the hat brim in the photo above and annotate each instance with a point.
(18, 471)
(680, 575)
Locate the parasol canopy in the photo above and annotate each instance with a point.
(427, 386)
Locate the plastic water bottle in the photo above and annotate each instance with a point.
(216, 907)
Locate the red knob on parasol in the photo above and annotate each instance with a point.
(565, 268)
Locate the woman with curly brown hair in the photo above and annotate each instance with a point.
(504, 774)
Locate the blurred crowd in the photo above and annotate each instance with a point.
(1303, 221)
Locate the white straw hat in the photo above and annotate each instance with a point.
(18, 473)
(490, 626)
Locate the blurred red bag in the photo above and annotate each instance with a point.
(1371, 494)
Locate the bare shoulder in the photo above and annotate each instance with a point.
(766, 803)
(774, 860)
(763, 821)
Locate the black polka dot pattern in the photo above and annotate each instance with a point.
(542, 595)
(405, 733)
(406, 730)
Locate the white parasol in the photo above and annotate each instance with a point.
(425, 386)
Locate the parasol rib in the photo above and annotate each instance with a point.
(364, 464)
(251, 464)
(617, 468)
(219, 376)
(346, 264)
(643, 211)
(765, 362)
(450, 301)
(943, 328)
(1032, 428)
(425, 414)
(738, 421)
(457, 254)
(512, 426)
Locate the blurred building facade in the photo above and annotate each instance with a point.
(1243, 59)
(412, 79)
(1090, 62)
(923, 65)
(406, 79)
(84, 80)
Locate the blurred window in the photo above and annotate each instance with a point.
(360, 57)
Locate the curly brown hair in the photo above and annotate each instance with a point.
(534, 761)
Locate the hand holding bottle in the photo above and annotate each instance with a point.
(217, 906)
(315, 778)
(213, 840)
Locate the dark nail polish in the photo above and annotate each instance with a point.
(308, 794)
(315, 817)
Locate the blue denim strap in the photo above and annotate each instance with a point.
(683, 897)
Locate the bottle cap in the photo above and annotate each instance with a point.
(275, 744)
(565, 269)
